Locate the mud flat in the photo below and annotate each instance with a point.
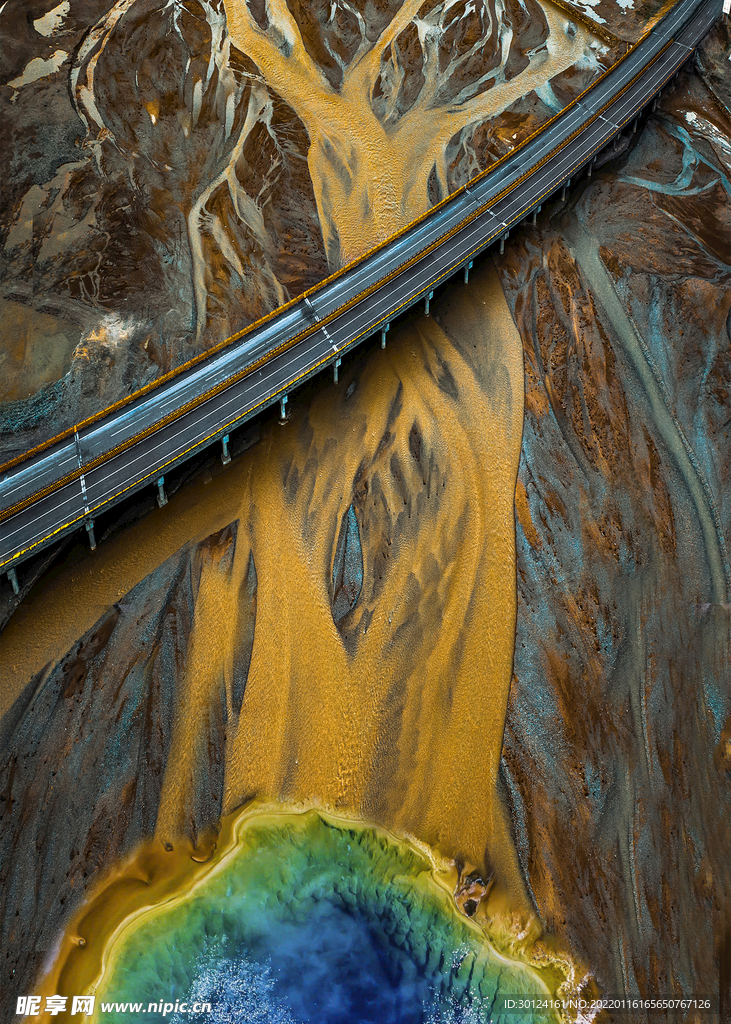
(618, 725)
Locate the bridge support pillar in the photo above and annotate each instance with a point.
(565, 189)
(468, 267)
(336, 367)
(225, 453)
(384, 331)
(591, 167)
(282, 408)
(89, 524)
(536, 211)
(428, 299)
(13, 581)
(502, 241)
(162, 498)
(634, 125)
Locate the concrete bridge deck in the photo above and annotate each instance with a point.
(63, 485)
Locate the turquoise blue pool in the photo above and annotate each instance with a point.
(308, 922)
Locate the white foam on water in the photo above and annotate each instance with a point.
(240, 992)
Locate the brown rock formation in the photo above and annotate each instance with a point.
(614, 744)
(615, 756)
(175, 170)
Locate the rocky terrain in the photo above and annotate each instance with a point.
(173, 171)
(346, 639)
(346, 632)
(617, 754)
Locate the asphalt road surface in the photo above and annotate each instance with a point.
(63, 486)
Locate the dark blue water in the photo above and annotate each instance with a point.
(335, 967)
(314, 924)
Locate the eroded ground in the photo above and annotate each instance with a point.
(618, 725)
(372, 537)
(173, 171)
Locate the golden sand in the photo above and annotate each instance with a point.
(370, 178)
(398, 719)
(403, 723)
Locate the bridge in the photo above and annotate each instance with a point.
(62, 485)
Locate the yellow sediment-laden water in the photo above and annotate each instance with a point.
(370, 162)
(391, 709)
(398, 714)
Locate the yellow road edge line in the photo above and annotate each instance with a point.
(215, 349)
(241, 374)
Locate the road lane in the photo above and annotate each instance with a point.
(138, 443)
